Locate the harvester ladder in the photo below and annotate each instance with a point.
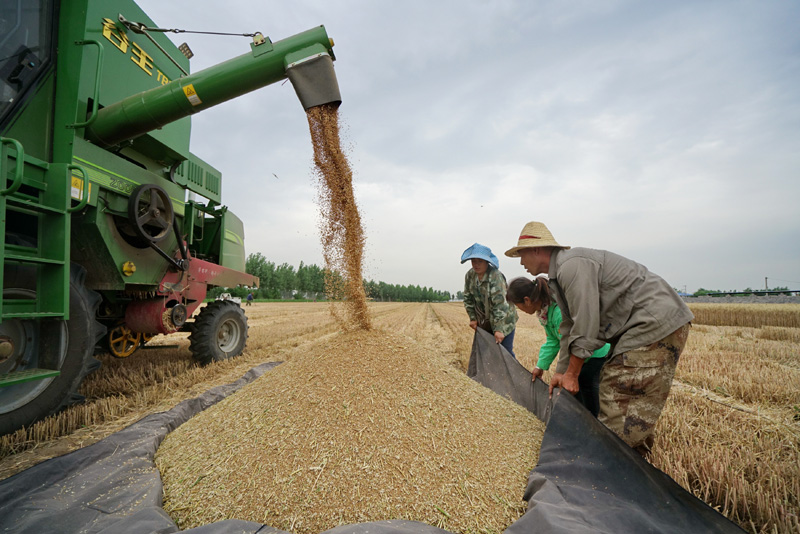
(36, 195)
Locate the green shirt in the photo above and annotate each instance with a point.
(491, 292)
(551, 347)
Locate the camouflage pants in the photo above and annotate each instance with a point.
(634, 386)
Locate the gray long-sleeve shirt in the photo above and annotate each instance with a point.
(606, 298)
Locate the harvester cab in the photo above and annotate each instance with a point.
(114, 230)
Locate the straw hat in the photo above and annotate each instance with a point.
(534, 234)
(481, 252)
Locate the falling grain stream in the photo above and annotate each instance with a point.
(341, 231)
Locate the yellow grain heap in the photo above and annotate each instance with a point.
(364, 426)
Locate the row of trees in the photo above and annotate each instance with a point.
(381, 291)
(278, 280)
(308, 281)
(747, 291)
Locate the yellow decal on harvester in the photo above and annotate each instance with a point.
(120, 39)
(142, 58)
(77, 188)
(236, 238)
(191, 94)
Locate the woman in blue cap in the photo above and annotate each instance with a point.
(485, 296)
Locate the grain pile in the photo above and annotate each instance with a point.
(340, 229)
(364, 426)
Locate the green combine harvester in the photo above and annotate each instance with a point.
(107, 242)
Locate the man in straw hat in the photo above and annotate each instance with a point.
(607, 298)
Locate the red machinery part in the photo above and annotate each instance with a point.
(179, 290)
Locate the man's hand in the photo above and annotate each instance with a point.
(555, 382)
(537, 373)
(566, 381)
(499, 337)
(473, 325)
(570, 382)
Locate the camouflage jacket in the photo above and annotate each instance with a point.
(489, 292)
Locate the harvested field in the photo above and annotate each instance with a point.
(730, 433)
(734, 314)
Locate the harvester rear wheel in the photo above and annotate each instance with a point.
(219, 332)
(47, 343)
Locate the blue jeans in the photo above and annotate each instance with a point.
(508, 343)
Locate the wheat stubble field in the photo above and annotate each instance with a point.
(730, 433)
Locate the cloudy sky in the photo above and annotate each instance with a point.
(668, 132)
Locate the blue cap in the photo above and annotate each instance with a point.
(481, 252)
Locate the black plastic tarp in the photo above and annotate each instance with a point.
(587, 480)
(111, 486)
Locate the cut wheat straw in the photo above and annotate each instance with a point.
(753, 315)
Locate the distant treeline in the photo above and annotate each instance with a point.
(384, 292)
(308, 282)
(742, 292)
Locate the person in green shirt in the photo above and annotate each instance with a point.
(533, 297)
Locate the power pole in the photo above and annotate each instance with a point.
(766, 285)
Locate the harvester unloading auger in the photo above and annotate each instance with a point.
(105, 241)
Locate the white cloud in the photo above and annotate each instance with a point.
(666, 132)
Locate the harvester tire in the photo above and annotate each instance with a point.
(219, 332)
(69, 344)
